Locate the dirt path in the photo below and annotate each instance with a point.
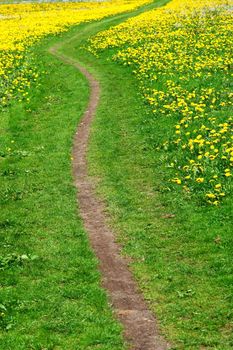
(139, 324)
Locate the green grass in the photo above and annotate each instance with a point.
(182, 261)
(50, 293)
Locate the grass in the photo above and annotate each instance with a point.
(50, 292)
(181, 252)
(50, 287)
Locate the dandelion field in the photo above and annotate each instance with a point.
(181, 55)
(161, 150)
(169, 188)
(22, 25)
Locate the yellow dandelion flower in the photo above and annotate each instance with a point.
(210, 195)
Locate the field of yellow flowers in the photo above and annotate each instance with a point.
(21, 25)
(177, 137)
(181, 56)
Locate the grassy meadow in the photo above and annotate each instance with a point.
(50, 287)
(179, 241)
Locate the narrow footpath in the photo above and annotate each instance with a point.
(140, 326)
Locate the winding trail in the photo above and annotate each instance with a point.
(140, 326)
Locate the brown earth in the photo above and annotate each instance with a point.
(140, 326)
